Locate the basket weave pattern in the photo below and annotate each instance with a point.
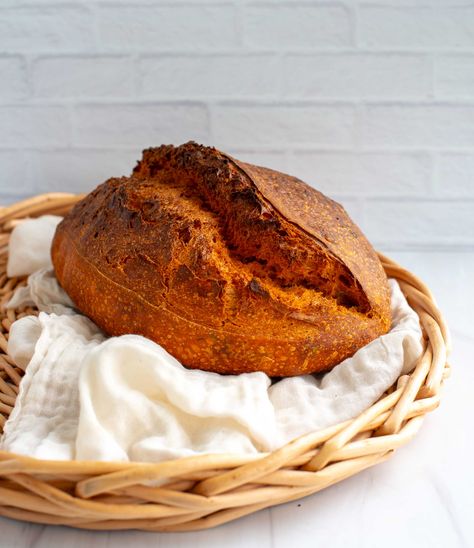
(208, 490)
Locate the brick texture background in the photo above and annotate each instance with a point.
(371, 102)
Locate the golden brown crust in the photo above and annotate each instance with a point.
(231, 267)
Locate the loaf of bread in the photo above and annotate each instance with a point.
(230, 267)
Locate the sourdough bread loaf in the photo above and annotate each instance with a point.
(230, 267)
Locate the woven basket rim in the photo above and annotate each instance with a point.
(203, 491)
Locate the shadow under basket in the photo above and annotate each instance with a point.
(208, 490)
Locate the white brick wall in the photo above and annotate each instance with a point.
(371, 101)
(82, 77)
(284, 125)
(425, 27)
(32, 29)
(168, 27)
(278, 26)
(138, 125)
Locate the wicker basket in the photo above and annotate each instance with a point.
(205, 491)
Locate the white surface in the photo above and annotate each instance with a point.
(162, 410)
(422, 497)
(371, 101)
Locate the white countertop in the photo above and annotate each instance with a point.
(422, 497)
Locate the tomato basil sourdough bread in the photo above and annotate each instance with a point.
(230, 267)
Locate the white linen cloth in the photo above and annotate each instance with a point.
(32, 238)
(85, 396)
